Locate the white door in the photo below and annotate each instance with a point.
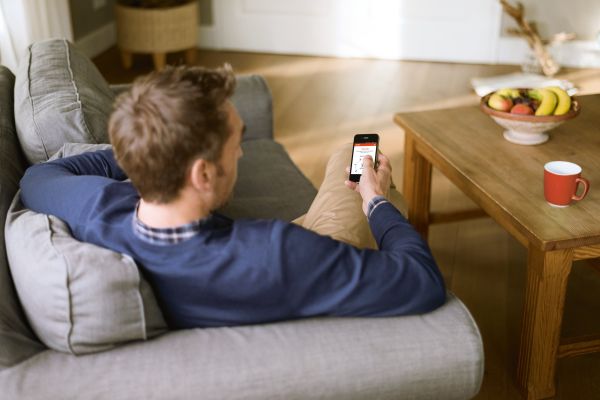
(437, 30)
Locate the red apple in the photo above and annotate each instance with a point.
(500, 103)
(522, 108)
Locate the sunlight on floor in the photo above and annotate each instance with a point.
(302, 67)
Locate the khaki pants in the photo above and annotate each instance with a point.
(337, 211)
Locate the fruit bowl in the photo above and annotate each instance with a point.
(527, 129)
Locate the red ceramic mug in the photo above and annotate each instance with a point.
(561, 183)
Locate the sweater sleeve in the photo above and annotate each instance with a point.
(327, 277)
(65, 187)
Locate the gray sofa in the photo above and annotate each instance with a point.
(433, 356)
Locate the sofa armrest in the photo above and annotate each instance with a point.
(430, 356)
(253, 100)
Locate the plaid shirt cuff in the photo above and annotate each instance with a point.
(374, 203)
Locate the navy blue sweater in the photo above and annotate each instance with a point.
(242, 271)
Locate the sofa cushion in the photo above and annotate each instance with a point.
(17, 342)
(438, 355)
(60, 96)
(79, 298)
(269, 184)
(253, 101)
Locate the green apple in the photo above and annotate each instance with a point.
(500, 103)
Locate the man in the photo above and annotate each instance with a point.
(177, 137)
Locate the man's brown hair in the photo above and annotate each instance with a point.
(167, 120)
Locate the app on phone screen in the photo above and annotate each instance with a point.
(361, 150)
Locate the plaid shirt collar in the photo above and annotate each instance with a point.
(166, 236)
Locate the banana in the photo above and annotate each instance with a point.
(547, 99)
(509, 92)
(564, 100)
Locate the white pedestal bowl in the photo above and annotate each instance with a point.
(528, 129)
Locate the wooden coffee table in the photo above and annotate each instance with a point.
(506, 181)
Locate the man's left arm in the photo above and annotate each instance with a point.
(64, 187)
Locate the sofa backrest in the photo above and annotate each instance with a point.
(253, 100)
(16, 340)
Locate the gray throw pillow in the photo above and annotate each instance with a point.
(79, 298)
(73, 149)
(60, 96)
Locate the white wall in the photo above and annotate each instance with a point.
(459, 31)
(581, 17)
(433, 30)
(553, 16)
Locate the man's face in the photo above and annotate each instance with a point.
(232, 151)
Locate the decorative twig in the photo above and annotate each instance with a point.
(560, 38)
(556, 38)
(528, 30)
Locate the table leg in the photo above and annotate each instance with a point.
(126, 59)
(416, 185)
(547, 275)
(160, 60)
(190, 56)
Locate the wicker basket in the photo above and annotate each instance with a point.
(157, 30)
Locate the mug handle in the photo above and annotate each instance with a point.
(586, 188)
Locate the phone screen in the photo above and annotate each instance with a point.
(359, 152)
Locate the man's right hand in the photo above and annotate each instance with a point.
(373, 182)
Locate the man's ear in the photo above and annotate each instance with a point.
(202, 175)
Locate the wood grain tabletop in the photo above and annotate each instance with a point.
(506, 179)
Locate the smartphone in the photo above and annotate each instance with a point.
(364, 144)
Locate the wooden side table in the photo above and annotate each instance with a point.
(157, 31)
(506, 181)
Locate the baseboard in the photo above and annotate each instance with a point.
(576, 53)
(98, 41)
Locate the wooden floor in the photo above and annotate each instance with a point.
(320, 103)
